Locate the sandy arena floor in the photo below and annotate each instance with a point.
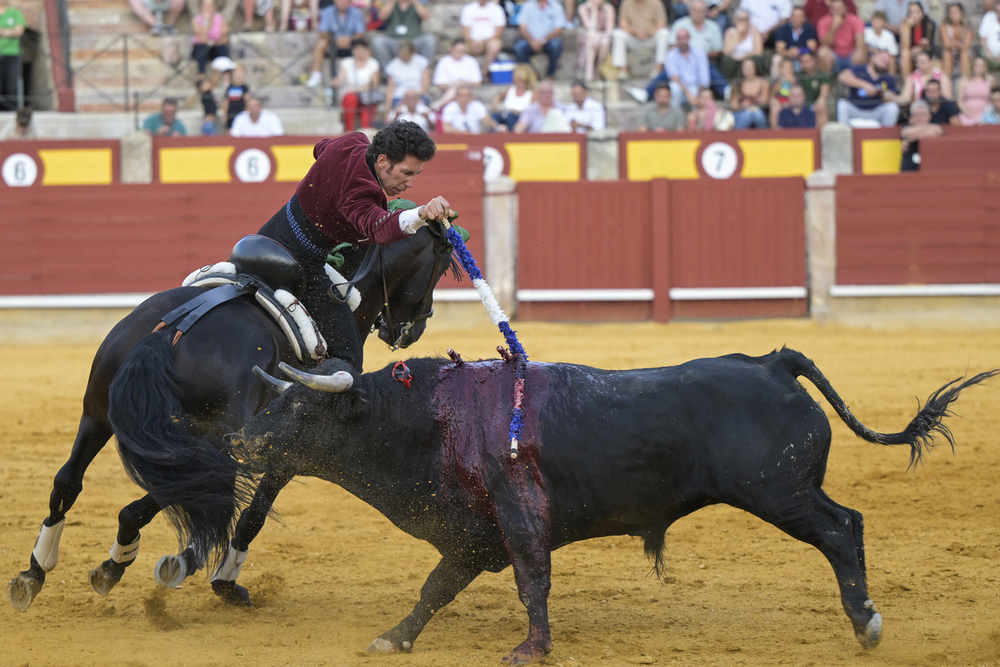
(335, 574)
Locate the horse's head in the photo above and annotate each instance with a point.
(412, 269)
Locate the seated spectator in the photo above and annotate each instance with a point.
(210, 38)
(519, 95)
(686, 68)
(916, 35)
(916, 82)
(706, 116)
(413, 109)
(237, 94)
(482, 23)
(873, 92)
(705, 35)
(974, 93)
(816, 85)
(545, 114)
(357, 83)
(11, 30)
(21, 129)
(597, 21)
(741, 42)
(791, 38)
(165, 123)
(919, 127)
(340, 23)
(256, 121)
(584, 113)
(841, 39)
(467, 115)
(660, 115)
(299, 19)
(403, 19)
(878, 37)
(456, 69)
(264, 8)
(750, 97)
(895, 12)
(541, 24)
(817, 9)
(956, 41)
(943, 111)
(781, 90)
(151, 12)
(641, 23)
(796, 113)
(989, 36)
(407, 71)
(992, 114)
(767, 15)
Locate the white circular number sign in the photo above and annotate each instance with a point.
(19, 170)
(492, 164)
(719, 160)
(253, 166)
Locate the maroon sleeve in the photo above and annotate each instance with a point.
(364, 207)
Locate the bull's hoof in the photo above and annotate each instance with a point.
(383, 645)
(104, 577)
(171, 571)
(232, 593)
(22, 590)
(872, 634)
(529, 651)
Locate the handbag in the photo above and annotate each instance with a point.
(371, 97)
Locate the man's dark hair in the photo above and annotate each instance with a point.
(360, 41)
(660, 85)
(170, 101)
(399, 139)
(24, 117)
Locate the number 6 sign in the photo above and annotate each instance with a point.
(19, 170)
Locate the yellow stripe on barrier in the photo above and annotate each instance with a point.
(77, 166)
(881, 156)
(293, 162)
(453, 147)
(556, 161)
(201, 164)
(775, 158)
(662, 159)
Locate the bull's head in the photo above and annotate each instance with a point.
(335, 383)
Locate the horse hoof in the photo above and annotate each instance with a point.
(104, 577)
(170, 571)
(872, 634)
(22, 590)
(232, 593)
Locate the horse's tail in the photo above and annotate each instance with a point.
(919, 434)
(189, 476)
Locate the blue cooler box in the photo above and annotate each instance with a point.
(502, 71)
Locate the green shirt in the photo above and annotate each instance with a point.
(812, 84)
(11, 18)
(155, 122)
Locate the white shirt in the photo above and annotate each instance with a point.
(482, 21)
(267, 125)
(417, 117)
(449, 70)
(884, 42)
(989, 28)
(591, 113)
(469, 120)
(355, 78)
(407, 76)
(765, 14)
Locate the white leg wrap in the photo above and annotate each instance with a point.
(46, 550)
(124, 554)
(231, 565)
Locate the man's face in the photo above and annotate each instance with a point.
(397, 178)
(410, 100)
(877, 23)
(797, 97)
(683, 40)
(920, 116)
(579, 94)
(662, 96)
(838, 8)
(463, 96)
(933, 92)
(253, 108)
(169, 113)
(798, 18)
(698, 12)
(545, 94)
(808, 62)
(342, 5)
(880, 61)
(458, 50)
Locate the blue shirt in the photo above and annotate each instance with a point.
(541, 22)
(991, 117)
(860, 98)
(784, 34)
(790, 119)
(349, 25)
(692, 69)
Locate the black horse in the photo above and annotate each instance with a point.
(217, 391)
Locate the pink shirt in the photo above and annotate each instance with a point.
(843, 41)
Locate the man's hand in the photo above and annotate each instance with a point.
(436, 209)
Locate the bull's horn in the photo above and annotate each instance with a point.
(337, 383)
(274, 383)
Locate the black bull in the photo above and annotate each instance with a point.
(602, 453)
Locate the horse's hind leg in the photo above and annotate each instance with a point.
(131, 520)
(91, 437)
(838, 533)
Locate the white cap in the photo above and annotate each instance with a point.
(223, 64)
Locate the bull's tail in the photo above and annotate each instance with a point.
(919, 433)
(198, 485)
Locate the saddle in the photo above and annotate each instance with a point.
(261, 267)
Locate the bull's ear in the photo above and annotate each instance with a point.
(274, 383)
(337, 383)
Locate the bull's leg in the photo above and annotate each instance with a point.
(837, 532)
(249, 525)
(131, 520)
(532, 574)
(447, 580)
(91, 436)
